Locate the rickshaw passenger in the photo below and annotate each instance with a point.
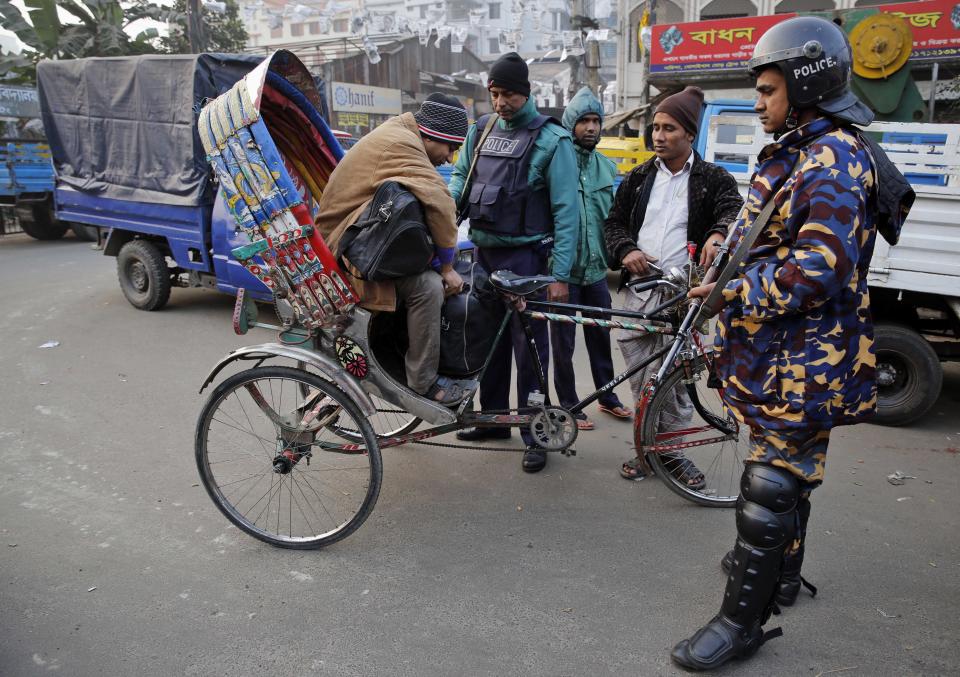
(407, 149)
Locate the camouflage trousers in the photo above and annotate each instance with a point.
(802, 453)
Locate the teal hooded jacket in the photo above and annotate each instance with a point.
(595, 193)
(553, 164)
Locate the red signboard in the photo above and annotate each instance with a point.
(708, 46)
(727, 44)
(935, 25)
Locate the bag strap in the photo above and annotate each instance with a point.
(372, 209)
(465, 193)
(739, 255)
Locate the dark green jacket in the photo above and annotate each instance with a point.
(553, 164)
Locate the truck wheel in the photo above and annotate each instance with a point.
(908, 375)
(38, 221)
(144, 275)
(84, 232)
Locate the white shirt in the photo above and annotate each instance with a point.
(664, 230)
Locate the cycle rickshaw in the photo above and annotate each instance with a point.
(289, 449)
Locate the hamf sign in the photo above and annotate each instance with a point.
(350, 98)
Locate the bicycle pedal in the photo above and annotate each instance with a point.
(568, 452)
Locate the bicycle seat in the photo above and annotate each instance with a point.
(519, 285)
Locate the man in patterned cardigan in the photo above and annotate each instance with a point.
(663, 204)
(794, 335)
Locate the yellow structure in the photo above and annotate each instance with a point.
(881, 45)
(626, 153)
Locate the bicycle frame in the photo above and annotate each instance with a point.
(656, 323)
(685, 346)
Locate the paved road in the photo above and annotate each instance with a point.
(113, 560)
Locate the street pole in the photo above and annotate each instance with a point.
(645, 90)
(590, 59)
(195, 34)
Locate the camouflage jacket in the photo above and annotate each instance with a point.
(795, 338)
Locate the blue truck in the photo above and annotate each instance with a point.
(129, 162)
(26, 172)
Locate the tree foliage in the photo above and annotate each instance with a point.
(98, 28)
(223, 32)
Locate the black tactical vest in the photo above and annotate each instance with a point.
(501, 201)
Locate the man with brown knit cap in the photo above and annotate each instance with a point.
(668, 201)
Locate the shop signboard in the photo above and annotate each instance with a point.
(351, 98)
(727, 44)
(935, 25)
(19, 102)
(708, 46)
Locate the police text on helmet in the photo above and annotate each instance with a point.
(810, 69)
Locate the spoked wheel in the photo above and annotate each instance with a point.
(270, 460)
(682, 443)
(387, 422)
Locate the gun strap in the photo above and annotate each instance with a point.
(737, 258)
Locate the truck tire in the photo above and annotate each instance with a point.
(909, 375)
(84, 232)
(144, 275)
(37, 221)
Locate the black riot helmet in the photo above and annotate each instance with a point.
(816, 61)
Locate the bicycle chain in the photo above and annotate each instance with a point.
(446, 445)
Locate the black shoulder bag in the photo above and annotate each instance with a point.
(390, 238)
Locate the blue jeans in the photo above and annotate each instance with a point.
(597, 340)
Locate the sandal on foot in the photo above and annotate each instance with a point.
(446, 391)
(684, 470)
(618, 411)
(584, 423)
(631, 470)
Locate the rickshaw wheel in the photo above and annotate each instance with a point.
(387, 422)
(272, 465)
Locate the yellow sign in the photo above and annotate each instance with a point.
(353, 119)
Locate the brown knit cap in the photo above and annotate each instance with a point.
(684, 107)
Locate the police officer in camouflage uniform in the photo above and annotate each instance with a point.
(794, 336)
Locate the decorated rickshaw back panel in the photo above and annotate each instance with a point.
(274, 154)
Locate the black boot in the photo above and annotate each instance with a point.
(790, 579)
(766, 526)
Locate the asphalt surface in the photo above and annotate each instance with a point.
(113, 561)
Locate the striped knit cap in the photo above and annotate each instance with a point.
(442, 118)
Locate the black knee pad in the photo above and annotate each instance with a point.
(766, 510)
(769, 486)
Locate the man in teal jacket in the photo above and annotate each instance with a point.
(523, 210)
(588, 277)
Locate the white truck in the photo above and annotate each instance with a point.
(914, 286)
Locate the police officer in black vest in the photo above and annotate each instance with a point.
(524, 217)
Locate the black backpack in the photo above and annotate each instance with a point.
(469, 322)
(390, 238)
